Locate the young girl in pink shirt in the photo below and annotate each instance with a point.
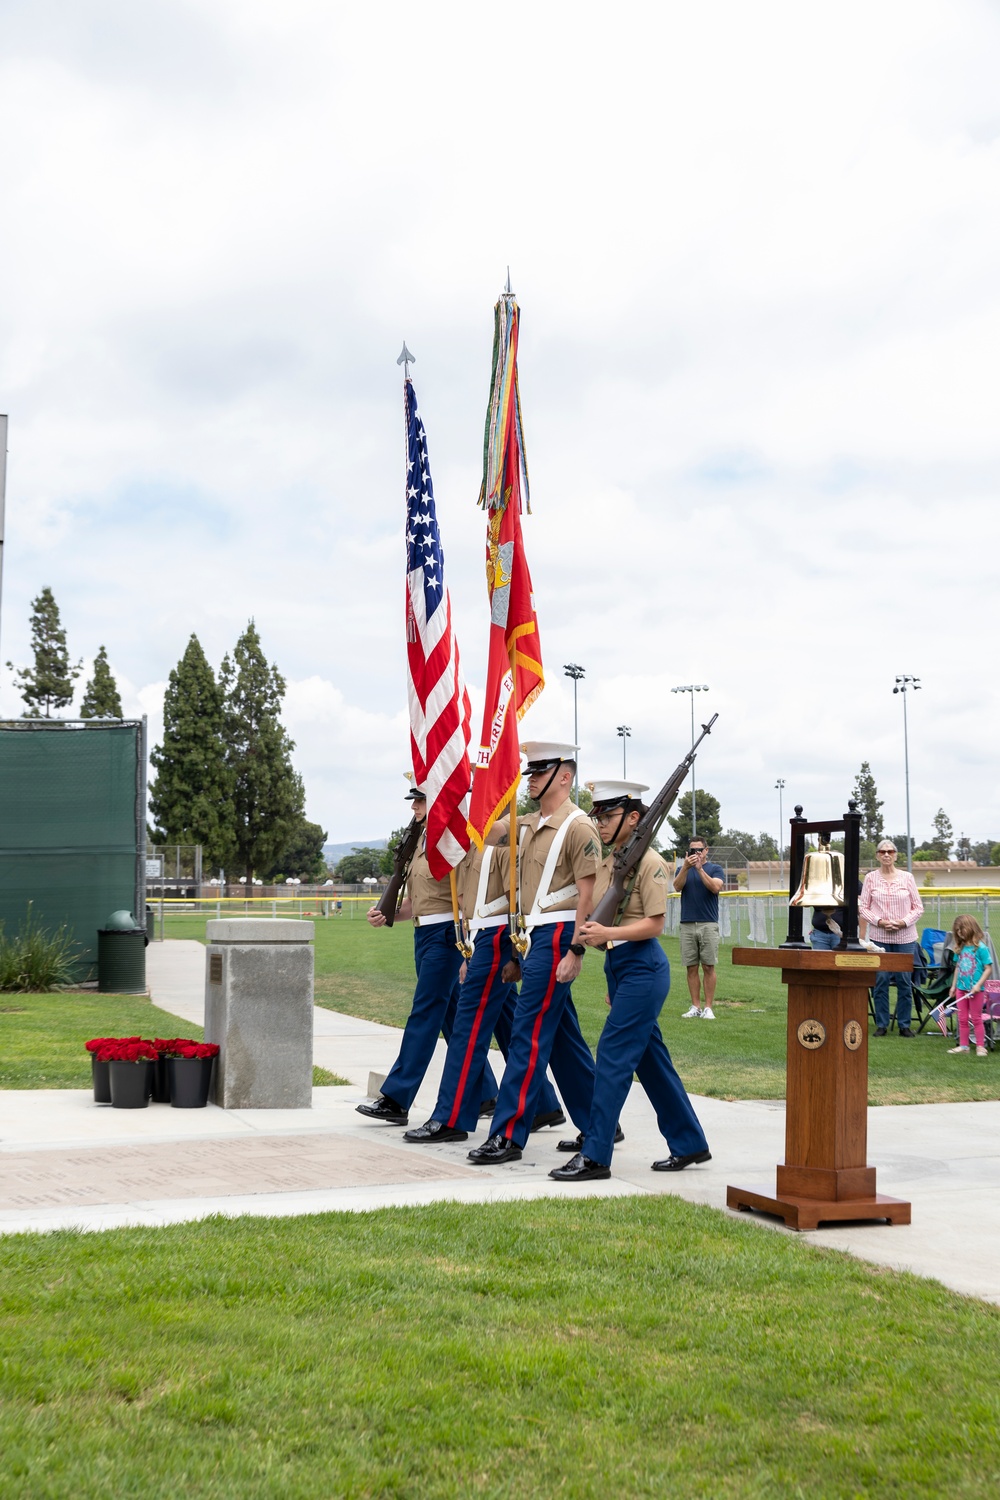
(972, 969)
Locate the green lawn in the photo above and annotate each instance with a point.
(592, 1349)
(740, 1056)
(42, 1036)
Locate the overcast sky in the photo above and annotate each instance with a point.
(755, 249)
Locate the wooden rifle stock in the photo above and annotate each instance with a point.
(628, 856)
(401, 860)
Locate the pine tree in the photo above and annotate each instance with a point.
(944, 835)
(191, 798)
(869, 805)
(709, 824)
(100, 698)
(49, 684)
(268, 796)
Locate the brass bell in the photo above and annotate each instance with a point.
(822, 882)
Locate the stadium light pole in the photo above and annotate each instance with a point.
(624, 733)
(692, 688)
(905, 684)
(574, 670)
(779, 787)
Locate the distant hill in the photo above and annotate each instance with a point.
(332, 853)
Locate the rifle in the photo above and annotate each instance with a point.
(402, 858)
(628, 856)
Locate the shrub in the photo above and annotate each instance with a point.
(36, 960)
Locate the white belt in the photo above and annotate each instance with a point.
(487, 922)
(433, 919)
(550, 900)
(546, 918)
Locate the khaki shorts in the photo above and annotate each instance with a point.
(699, 944)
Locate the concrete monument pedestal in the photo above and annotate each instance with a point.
(259, 1008)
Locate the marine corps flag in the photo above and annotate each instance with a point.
(514, 676)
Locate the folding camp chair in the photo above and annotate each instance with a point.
(931, 985)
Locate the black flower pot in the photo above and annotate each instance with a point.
(190, 1081)
(161, 1083)
(102, 1080)
(131, 1084)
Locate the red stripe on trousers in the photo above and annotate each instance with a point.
(471, 1047)
(557, 928)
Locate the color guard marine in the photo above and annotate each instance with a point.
(558, 859)
(486, 1001)
(638, 976)
(438, 960)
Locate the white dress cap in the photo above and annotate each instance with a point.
(547, 752)
(613, 791)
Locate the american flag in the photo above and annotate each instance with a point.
(440, 712)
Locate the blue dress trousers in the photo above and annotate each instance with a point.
(638, 977)
(485, 1009)
(432, 1013)
(545, 1031)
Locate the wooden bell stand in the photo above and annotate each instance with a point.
(825, 1176)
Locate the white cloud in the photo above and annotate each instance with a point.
(755, 249)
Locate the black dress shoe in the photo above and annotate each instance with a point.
(486, 1109)
(880, 1031)
(554, 1117)
(436, 1130)
(495, 1152)
(905, 1031)
(580, 1169)
(576, 1144)
(678, 1163)
(386, 1110)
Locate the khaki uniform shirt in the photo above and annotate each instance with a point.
(579, 856)
(427, 896)
(648, 897)
(468, 882)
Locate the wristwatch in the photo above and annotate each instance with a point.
(578, 948)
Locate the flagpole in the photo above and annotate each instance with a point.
(514, 933)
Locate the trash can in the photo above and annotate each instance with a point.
(121, 956)
(150, 924)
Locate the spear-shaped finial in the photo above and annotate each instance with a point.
(406, 359)
(509, 291)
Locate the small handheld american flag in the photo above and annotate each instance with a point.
(440, 712)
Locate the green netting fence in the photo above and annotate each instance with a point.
(72, 825)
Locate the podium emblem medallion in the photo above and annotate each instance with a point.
(853, 1035)
(811, 1034)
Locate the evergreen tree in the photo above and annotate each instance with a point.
(761, 847)
(302, 855)
(191, 798)
(354, 868)
(267, 793)
(869, 805)
(944, 835)
(100, 698)
(49, 683)
(709, 824)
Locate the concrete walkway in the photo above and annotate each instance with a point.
(66, 1162)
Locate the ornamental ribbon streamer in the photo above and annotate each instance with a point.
(440, 712)
(515, 675)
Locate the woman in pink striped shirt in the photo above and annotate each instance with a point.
(890, 904)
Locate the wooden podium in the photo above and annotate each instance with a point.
(825, 1176)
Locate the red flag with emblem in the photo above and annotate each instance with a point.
(514, 675)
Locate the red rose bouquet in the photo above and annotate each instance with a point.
(182, 1046)
(129, 1049)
